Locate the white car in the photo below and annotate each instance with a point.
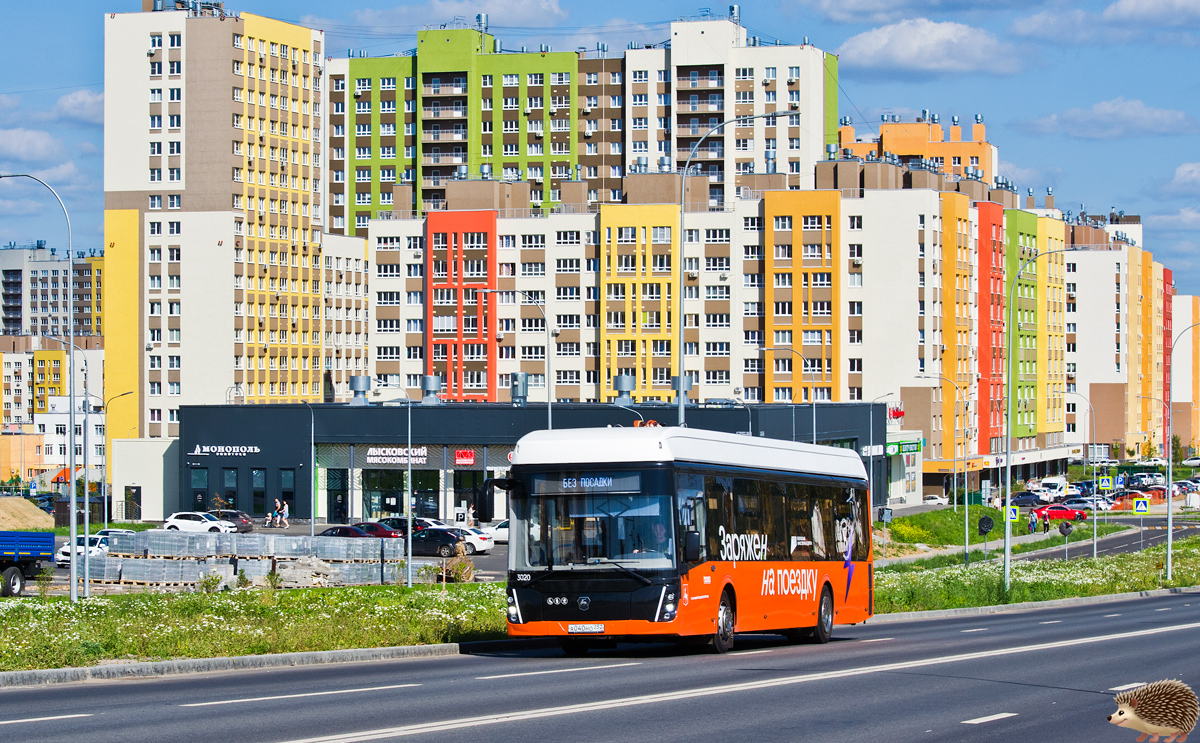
(936, 500)
(1191, 462)
(197, 521)
(1153, 462)
(475, 540)
(97, 547)
(499, 532)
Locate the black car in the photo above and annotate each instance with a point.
(1026, 498)
(400, 524)
(434, 542)
(343, 531)
(240, 519)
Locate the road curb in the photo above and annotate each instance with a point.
(972, 611)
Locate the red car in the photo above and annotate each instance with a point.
(1060, 512)
(379, 530)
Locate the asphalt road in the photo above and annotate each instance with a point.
(1154, 533)
(1045, 676)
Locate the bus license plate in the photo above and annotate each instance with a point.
(584, 629)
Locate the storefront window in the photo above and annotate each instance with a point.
(287, 489)
(229, 486)
(199, 488)
(258, 490)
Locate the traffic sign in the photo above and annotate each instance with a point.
(1120, 481)
(985, 524)
(1141, 505)
(1014, 513)
(1106, 483)
(1065, 528)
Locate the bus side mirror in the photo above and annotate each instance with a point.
(691, 546)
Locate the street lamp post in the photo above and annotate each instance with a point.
(812, 376)
(871, 427)
(1089, 457)
(958, 393)
(1170, 448)
(678, 320)
(1008, 411)
(103, 462)
(74, 573)
(549, 351)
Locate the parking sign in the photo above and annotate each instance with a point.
(1141, 506)
(1106, 483)
(1014, 513)
(1120, 481)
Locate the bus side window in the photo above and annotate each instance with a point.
(772, 495)
(862, 524)
(799, 521)
(692, 506)
(821, 523)
(718, 491)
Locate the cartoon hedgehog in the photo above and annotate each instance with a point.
(1163, 708)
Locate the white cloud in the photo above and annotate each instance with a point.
(1064, 26)
(1187, 178)
(20, 207)
(1154, 12)
(1034, 178)
(922, 47)
(28, 145)
(1111, 119)
(1187, 218)
(84, 106)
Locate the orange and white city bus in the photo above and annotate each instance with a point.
(672, 533)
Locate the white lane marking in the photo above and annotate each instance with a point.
(41, 719)
(977, 629)
(1055, 621)
(706, 691)
(989, 718)
(1127, 687)
(878, 639)
(1165, 608)
(751, 652)
(1106, 616)
(296, 696)
(556, 670)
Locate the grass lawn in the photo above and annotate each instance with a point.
(65, 531)
(1081, 538)
(155, 626)
(1034, 580)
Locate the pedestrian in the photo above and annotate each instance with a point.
(275, 514)
(1032, 522)
(1045, 523)
(283, 515)
(471, 517)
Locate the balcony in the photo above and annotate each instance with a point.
(440, 136)
(444, 89)
(444, 113)
(698, 106)
(705, 154)
(446, 159)
(699, 82)
(433, 205)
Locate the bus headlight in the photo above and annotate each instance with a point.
(668, 612)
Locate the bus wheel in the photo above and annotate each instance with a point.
(722, 639)
(575, 648)
(824, 629)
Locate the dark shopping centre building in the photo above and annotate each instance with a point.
(249, 455)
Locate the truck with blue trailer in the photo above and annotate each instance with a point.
(21, 556)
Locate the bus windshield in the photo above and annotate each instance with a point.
(592, 520)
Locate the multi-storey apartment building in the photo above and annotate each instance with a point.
(459, 105)
(38, 285)
(214, 196)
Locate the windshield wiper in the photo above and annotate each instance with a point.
(619, 566)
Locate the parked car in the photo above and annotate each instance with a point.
(1081, 504)
(97, 547)
(240, 519)
(1105, 463)
(1153, 462)
(343, 531)
(475, 539)
(1026, 499)
(1059, 511)
(936, 500)
(499, 532)
(110, 532)
(439, 542)
(376, 529)
(197, 521)
(1191, 462)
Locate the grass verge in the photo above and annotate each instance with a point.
(1081, 538)
(160, 626)
(65, 531)
(1034, 580)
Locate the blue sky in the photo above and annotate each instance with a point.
(1099, 100)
